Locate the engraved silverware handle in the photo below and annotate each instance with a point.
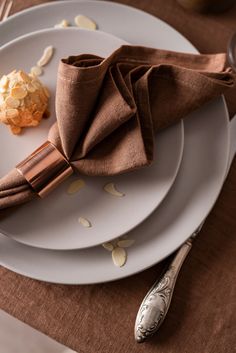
(155, 305)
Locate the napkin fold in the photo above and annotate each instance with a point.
(108, 110)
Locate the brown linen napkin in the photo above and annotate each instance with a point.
(109, 109)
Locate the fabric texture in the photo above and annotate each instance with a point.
(100, 318)
(108, 110)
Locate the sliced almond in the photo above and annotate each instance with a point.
(3, 89)
(85, 22)
(18, 92)
(12, 113)
(42, 96)
(75, 186)
(119, 256)
(13, 83)
(46, 57)
(36, 70)
(108, 246)
(30, 88)
(125, 243)
(34, 122)
(46, 91)
(111, 189)
(62, 24)
(65, 23)
(36, 84)
(4, 81)
(12, 73)
(84, 222)
(15, 120)
(26, 118)
(12, 102)
(1, 99)
(23, 76)
(35, 98)
(16, 130)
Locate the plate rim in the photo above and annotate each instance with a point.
(102, 2)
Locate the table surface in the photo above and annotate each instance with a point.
(202, 316)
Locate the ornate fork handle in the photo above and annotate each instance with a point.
(155, 305)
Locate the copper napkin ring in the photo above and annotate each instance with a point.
(45, 168)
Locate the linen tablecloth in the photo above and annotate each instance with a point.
(202, 316)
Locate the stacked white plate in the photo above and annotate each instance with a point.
(163, 204)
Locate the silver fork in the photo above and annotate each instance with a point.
(155, 305)
(5, 9)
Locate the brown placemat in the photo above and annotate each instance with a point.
(100, 318)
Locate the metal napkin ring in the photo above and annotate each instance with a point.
(45, 168)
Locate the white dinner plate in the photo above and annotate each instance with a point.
(196, 187)
(52, 223)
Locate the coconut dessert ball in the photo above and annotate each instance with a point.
(23, 100)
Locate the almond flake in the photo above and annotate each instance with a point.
(125, 243)
(46, 57)
(75, 186)
(12, 73)
(30, 88)
(34, 122)
(36, 83)
(85, 222)
(12, 113)
(23, 76)
(15, 120)
(4, 81)
(108, 246)
(46, 91)
(12, 102)
(13, 83)
(18, 92)
(111, 189)
(3, 89)
(62, 24)
(16, 130)
(65, 23)
(36, 70)
(1, 99)
(119, 256)
(85, 22)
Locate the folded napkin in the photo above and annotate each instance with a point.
(108, 110)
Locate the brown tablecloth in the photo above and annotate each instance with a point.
(100, 318)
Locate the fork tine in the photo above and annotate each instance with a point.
(8, 9)
(2, 7)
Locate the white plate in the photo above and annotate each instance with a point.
(133, 25)
(194, 192)
(53, 223)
